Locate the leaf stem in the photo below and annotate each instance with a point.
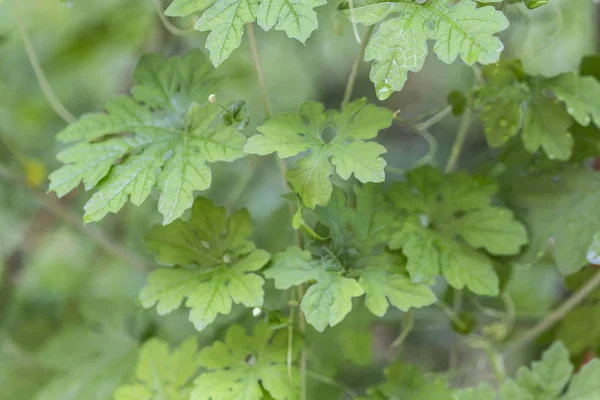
(555, 316)
(356, 65)
(61, 212)
(457, 146)
(259, 70)
(173, 30)
(408, 324)
(49, 94)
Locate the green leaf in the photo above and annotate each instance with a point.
(161, 373)
(554, 371)
(407, 382)
(579, 330)
(172, 128)
(350, 262)
(546, 125)
(327, 301)
(242, 365)
(551, 106)
(400, 44)
(217, 264)
(226, 19)
(585, 385)
(561, 215)
(581, 95)
(500, 101)
(382, 285)
(447, 219)
(483, 392)
(347, 151)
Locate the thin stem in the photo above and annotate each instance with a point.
(555, 316)
(457, 146)
(434, 119)
(242, 182)
(408, 324)
(49, 94)
(304, 353)
(290, 349)
(328, 381)
(173, 30)
(61, 212)
(352, 19)
(356, 65)
(259, 71)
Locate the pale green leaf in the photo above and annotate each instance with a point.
(161, 373)
(400, 44)
(241, 366)
(585, 385)
(172, 129)
(225, 19)
(290, 134)
(384, 287)
(581, 95)
(483, 392)
(221, 269)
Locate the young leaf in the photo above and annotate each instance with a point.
(241, 366)
(447, 219)
(224, 264)
(561, 214)
(161, 373)
(172, 128)
(292, 133)
(400, 44)
(351, 262)
(226, 19)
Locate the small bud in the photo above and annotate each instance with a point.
(256, 312)
(212, 98)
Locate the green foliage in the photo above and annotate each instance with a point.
(173, 128)
(543, 109)
(351, 262)
(400, 43)
(250, 367)
(407, 382)
(345, 150)
(225, 19)
(447, 220)
(342, 308)
(161, 374)
(559, 211)
(547, 379)
(212, 264)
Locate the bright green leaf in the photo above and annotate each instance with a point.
(546, 125)
(173, 130)
(400, 44)
(241, 366)
(225, 19)
(161, 373)
(347, 151)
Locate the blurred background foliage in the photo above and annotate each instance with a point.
(70, 320)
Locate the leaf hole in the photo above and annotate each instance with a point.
(250, 359)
